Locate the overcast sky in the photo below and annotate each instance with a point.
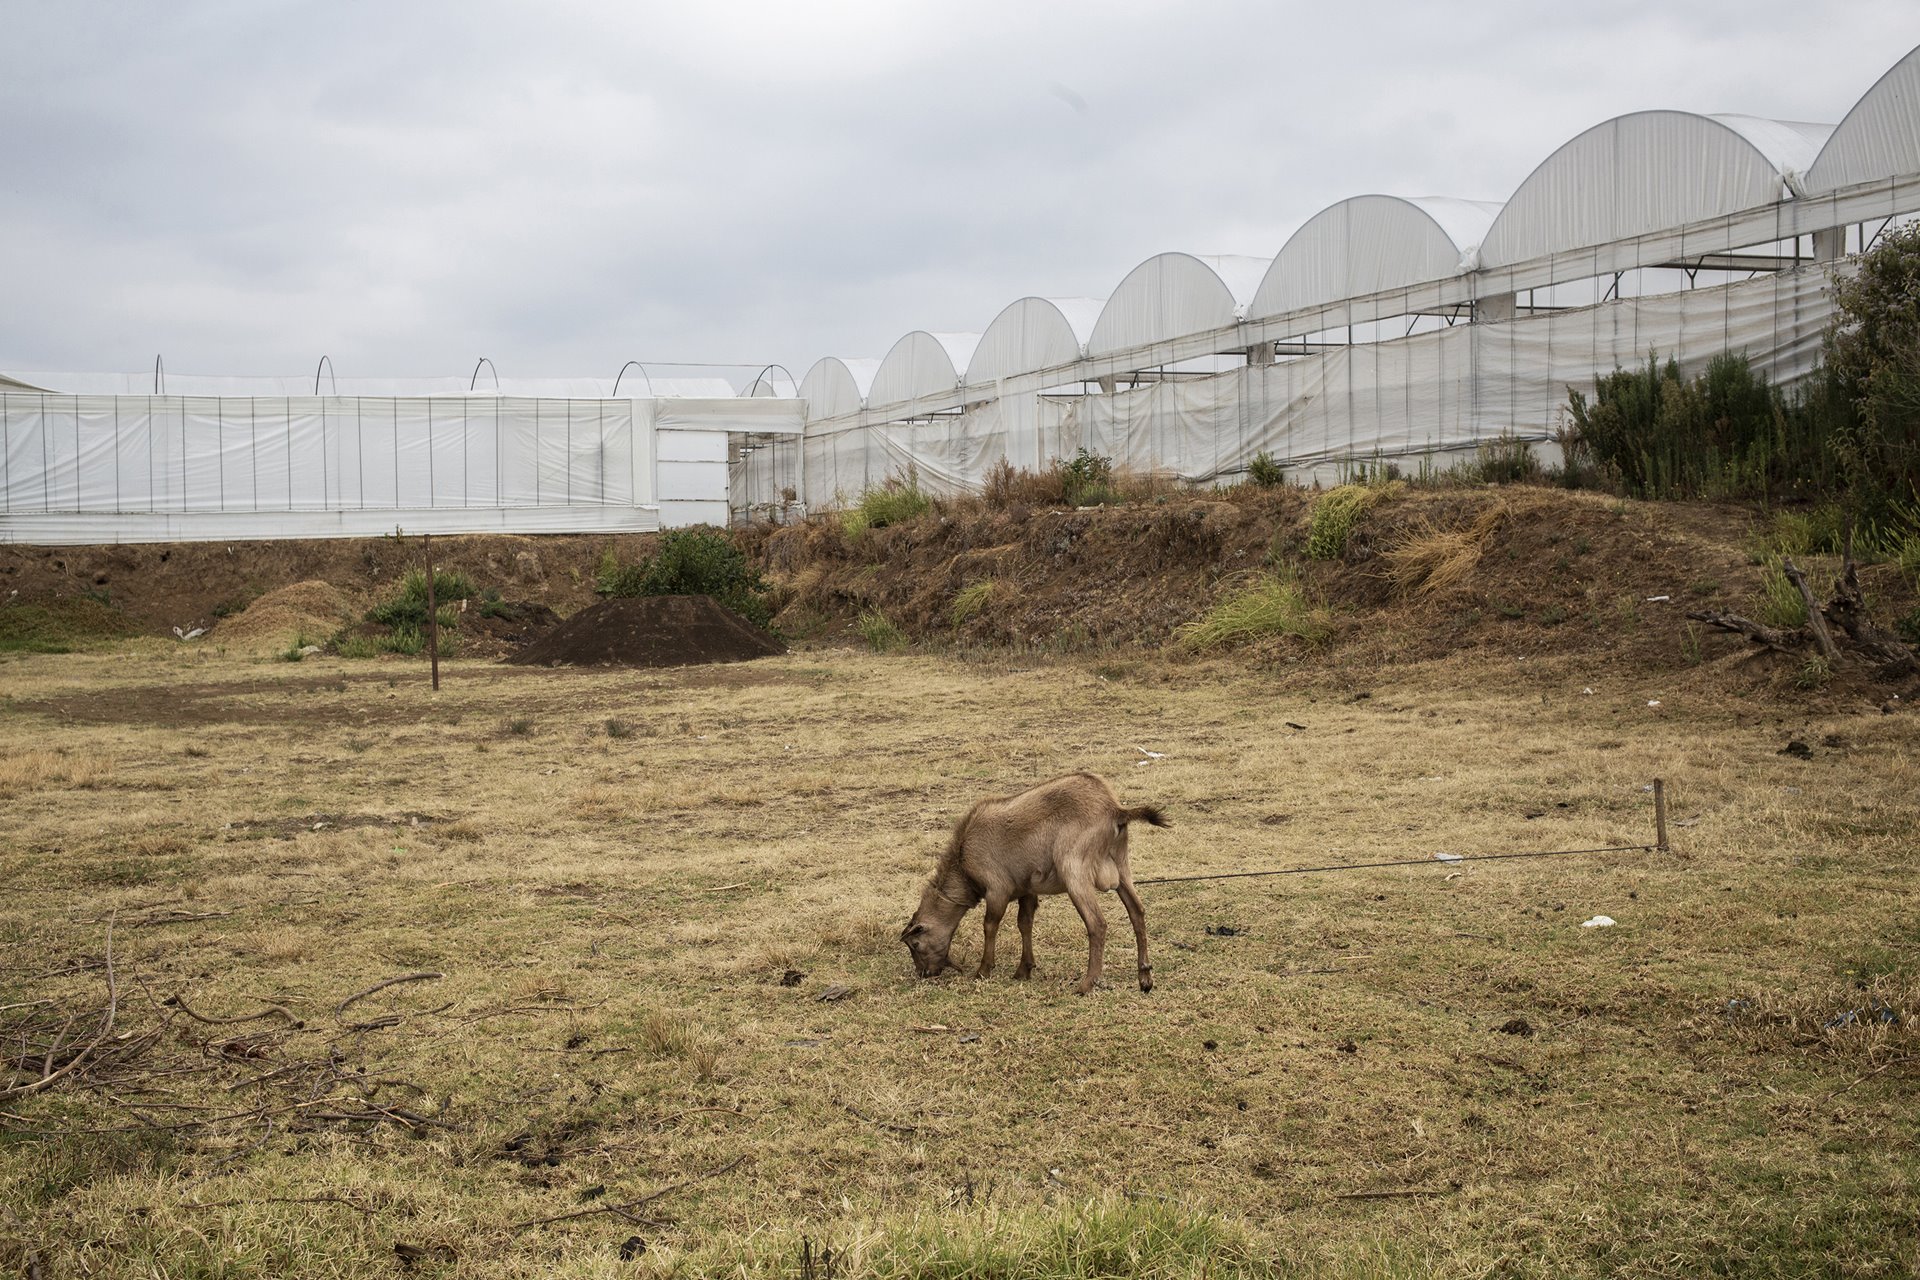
(563, 187)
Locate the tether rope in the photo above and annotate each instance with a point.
(1404, 862)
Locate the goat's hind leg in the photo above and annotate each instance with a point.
(1137, 913)
(1086, 900)
(1029, 904)
(996, 907)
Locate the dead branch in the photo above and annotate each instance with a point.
(48, 1076)
(177, 1002)
(1816, 621)
(1396, 1194)
(1784, 639)
(628, 1206)
(178, 917)
(382, 986)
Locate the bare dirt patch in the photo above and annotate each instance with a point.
(650, 631)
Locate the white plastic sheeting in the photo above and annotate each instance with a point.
(1879, 138)
(834, 387)
(1370, 244)
(633, 383)
(124, 467)
(921, 364)
(1434, 393)
(1644, 173)
(1033, 333)
(1174, 294)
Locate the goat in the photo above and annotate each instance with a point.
(1067, 835)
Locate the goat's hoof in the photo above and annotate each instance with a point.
(1146, 984)
(1022, 973)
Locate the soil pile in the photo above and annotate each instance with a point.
(313, 609)
(650, 631)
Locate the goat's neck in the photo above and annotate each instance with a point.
(950, 894)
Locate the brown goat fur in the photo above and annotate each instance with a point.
(1067, 835)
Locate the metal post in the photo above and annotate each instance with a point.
(433, 617)
(1660, 815)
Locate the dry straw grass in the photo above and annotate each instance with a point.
(1429, 560)
(315, 610)
(1335, 1084)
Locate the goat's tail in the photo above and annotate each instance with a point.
(1144, 813)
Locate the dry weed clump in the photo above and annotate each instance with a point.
(1430, 560)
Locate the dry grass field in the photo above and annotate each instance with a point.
(636, 891)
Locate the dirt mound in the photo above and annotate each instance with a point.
(650, 631)
(312, 609)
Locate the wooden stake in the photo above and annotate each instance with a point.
(433, 616)
(1660, 815)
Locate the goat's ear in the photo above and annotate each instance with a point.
(913, 927)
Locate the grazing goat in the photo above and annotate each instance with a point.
(1067, 836)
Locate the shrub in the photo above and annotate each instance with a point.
(1726, 433)
(1505, 460)
(1266, 605)
(692, 562)
(409, 607)
(1087, 479)
(1872, 354)
(1265, 471)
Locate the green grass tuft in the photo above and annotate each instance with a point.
(969, 601)
(1269, 605)
(1335, 513)
(879, 632)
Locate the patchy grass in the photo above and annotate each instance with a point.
(881, 635)
(633, 956)
(1337, 512)
(969, 600)
(896, 501)
(1429, 560)
(61, 626)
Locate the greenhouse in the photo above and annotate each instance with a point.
(1409, 330)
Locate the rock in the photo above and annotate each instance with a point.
(527, 568)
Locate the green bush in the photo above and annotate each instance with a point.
(692, 562)
(409, 607)
(1088, 479)
(1724, 434)
(1505, 460)
(1872, 354)
(1265, 471)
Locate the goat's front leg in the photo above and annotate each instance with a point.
(996, 907)
(1086, 901)
(1137, 913)
(1029, 904)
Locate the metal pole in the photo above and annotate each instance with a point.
(433, 615)
(1660, 815)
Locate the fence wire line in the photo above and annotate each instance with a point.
(1404, 862)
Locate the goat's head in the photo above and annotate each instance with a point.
(929, 939)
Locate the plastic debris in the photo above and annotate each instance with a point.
(1653, 702)
(1658, 599)
(1588, 690)
(1448, 857)
(1598, 922)
(1151, 755)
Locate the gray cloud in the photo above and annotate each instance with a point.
(244, 186)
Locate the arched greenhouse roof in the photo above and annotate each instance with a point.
(1368, 244)
(1171, 295)
(1647, 172)
(921, 363)
(1879, 138)
(834, 387)
(1033, 333)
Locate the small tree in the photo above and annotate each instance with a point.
(1873, 356)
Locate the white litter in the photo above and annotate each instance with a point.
(1151, 755)
(1448, 857)
(1658, 599)
(1598, 922)
(1587, 690)
(1653, 702)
